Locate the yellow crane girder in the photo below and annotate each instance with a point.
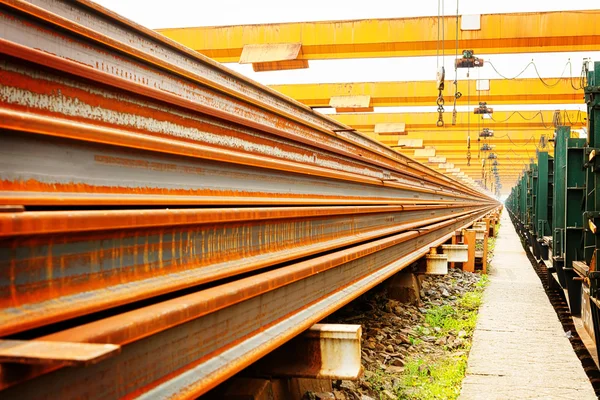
(424, 93)
(501, 120)
(399, 37)
(456, 137)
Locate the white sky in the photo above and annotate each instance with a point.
(181, 13)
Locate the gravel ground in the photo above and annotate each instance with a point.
(394, 332)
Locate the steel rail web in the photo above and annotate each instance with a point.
(14, 89)
(121, 69)
(97, 174)
(54, 277)
(183, 347)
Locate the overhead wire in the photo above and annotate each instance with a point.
(457, 94)
(544, 82)
(524, 117)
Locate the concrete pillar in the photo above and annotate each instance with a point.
(404, 287)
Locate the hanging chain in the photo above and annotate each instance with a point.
(441, 73)
(469, 150)
(457, 94)
(468, 120)
(440, 104)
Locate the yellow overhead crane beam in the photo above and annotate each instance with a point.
(504, 163)
(398, 37)
(502, 120)
(432, 137)
(424, 93)
(459, 155)
(515, 147)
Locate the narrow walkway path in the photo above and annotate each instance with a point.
(520, 350)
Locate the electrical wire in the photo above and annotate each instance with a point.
(443, 35)
(456, 93)
(539, 113)
(437, 54)
(548, 85)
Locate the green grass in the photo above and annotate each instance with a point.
(440, 378)
(414, 341)
(377, 379)
(429, 380)
(484, 280)
(452, 319)
(491, 248)
(491, 244)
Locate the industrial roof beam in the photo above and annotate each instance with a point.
(510, 120)
(432, 136)
(423, 93)
(401, 37)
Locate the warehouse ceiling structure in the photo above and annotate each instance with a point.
(429, 122)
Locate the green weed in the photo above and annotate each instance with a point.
(428, 380)
(441, 378)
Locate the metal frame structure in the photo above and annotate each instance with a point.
(575, 211)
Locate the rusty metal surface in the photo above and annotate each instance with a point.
(53, 277)
(152, 199)
(189, 344)
(37, 169)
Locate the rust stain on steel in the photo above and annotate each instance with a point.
(61, 276)
(26, 90)
(151, 320)
(223, 140)
(16, 120)
(154, 128)
(234, 176)
(375, 153)
(49, 222)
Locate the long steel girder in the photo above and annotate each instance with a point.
(501, 120)
(168, 251)
(424, 93)
(167, 205)
(175, 132)
(402, 37)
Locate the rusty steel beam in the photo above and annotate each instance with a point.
(183, 347)
(127, 176)
(55, 274)
(124, 59)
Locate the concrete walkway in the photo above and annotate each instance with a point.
(520, 350)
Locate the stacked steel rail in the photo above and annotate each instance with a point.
(573, 180)
(157, 201)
